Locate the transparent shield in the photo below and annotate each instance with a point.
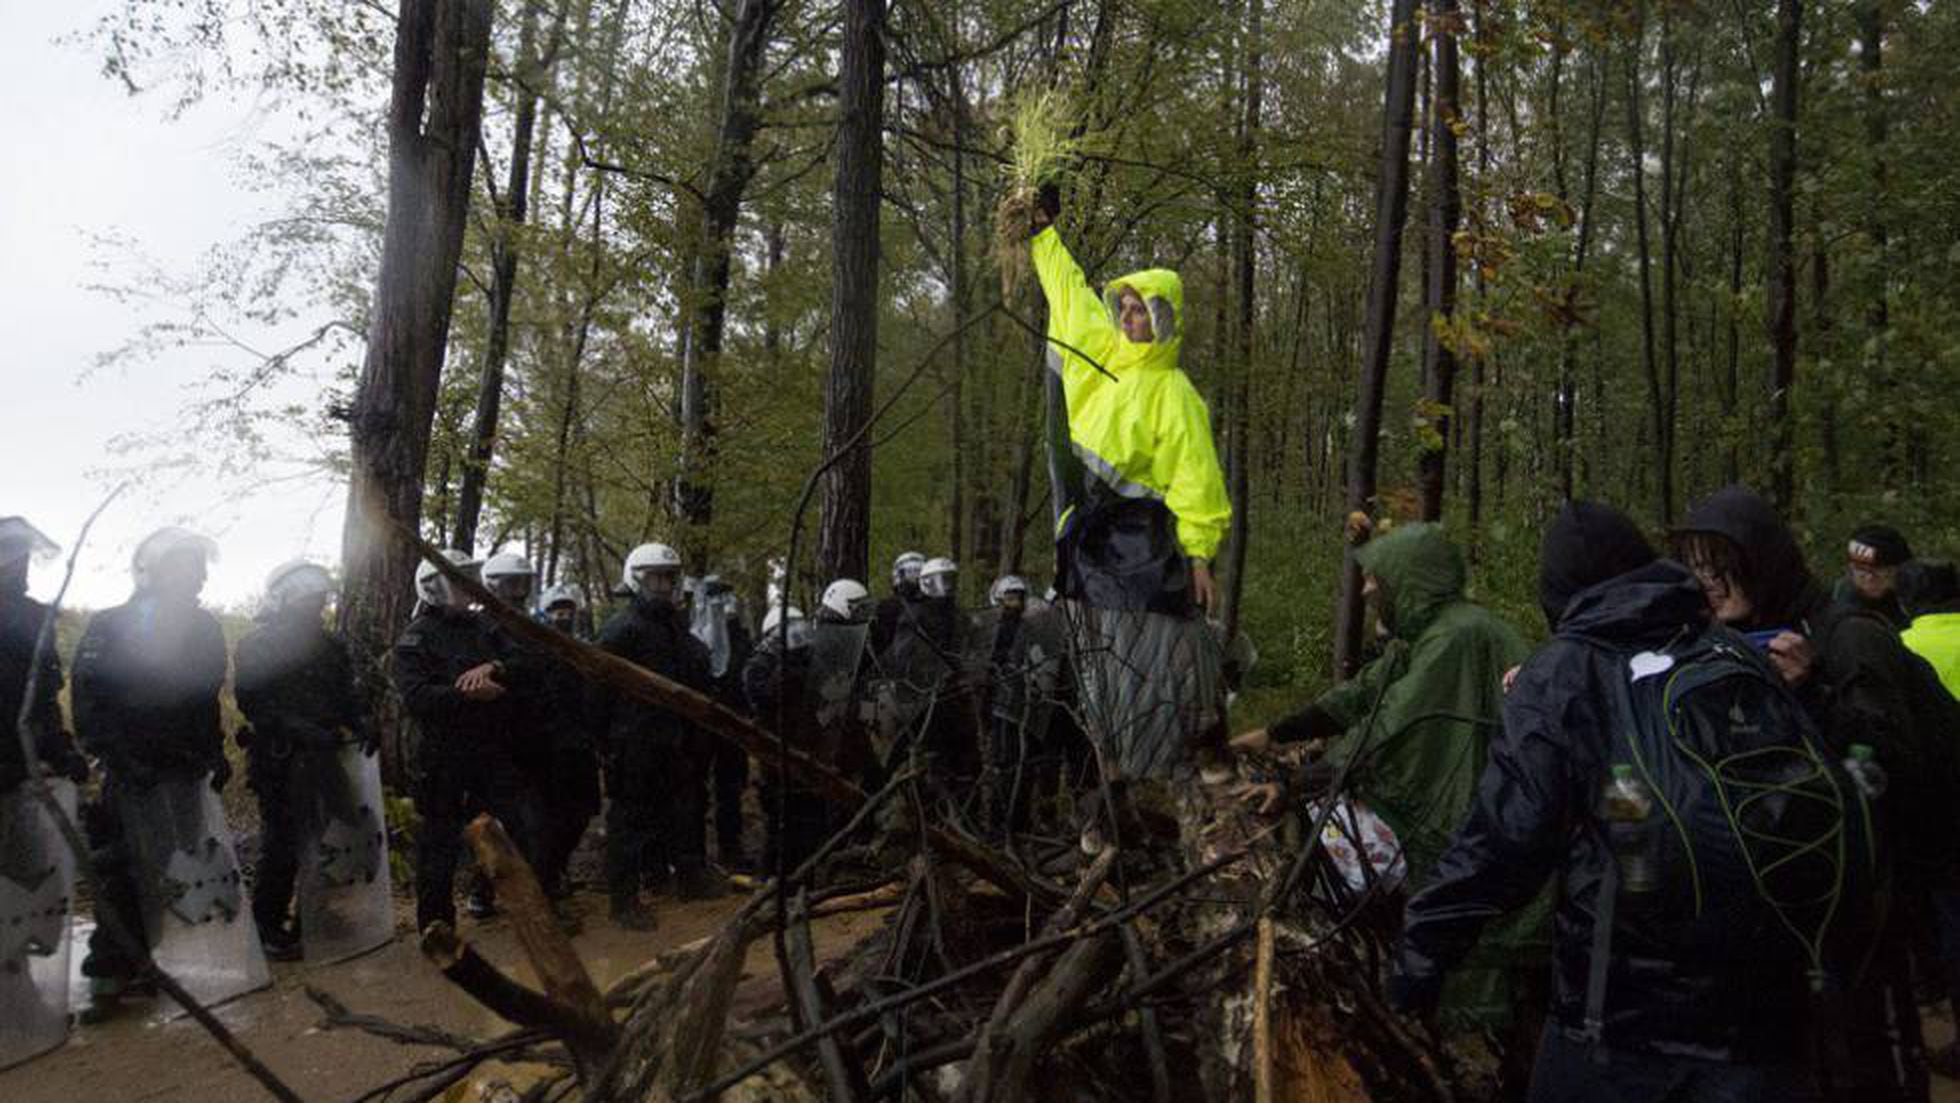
(194, 908)
(836, 650)
(346, 906)
(37, 892)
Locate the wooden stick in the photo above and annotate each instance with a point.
(1262, 1015)
(843, 1074)
(588, 1027)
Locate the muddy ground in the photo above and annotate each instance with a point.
(131, 1060)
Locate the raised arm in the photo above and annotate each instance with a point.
(1077, 320)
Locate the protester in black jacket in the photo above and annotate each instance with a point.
(1672, 1029)
(656, 765)
(295, 685)
(20, 658)
(147, 678)
(1861, 685)
(463, 683)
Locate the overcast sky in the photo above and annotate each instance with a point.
(87, 159)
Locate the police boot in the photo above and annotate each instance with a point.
(279, 943)
(630, 914)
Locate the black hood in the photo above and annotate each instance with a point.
(1646, 606)
(1774, 575)
(1587, 544)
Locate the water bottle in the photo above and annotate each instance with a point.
(1627, 807)
(1865, 771)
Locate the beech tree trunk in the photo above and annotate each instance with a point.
(512, 208)
(1391, 212)
(707, 296)
(1246, 257)
(844, 540)
(1445, 211)
(435, 114)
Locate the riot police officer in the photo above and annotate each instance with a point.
(461, 680)
(656, 765)
(20, 655)
(295, 683)
(147, 677)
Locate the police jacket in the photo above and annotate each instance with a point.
(295, 683)
(20, 627)
(147, 678)
(654, 636)
(1533, 820)
(437, 647)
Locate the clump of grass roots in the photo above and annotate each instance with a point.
(1043, 141)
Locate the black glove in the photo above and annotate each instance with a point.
(370, 742)
(220, 773)
(1049, 199)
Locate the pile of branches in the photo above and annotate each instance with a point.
(1195, 953)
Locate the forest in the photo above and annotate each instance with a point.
(751, 278)
(1631, 251)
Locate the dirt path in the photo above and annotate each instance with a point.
(133, 1061)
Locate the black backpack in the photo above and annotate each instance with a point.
(1766, 845)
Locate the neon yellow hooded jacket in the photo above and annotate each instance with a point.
(1146, 433)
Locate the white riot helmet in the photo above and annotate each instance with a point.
(294, 582)
(798, 631)
(20, 540)
(939, 577)
(906, 568)
(564, 593)
(434, 590)
(163, 544)
(650, 561)
(510, 576)
(1006, 585)
(845, 600)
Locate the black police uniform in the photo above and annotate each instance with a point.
(296, 685)
(466, 758)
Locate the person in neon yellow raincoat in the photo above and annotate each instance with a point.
(1140, 507)
(1142, 512)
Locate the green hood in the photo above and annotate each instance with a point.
(1420, 570)
(1163, 293)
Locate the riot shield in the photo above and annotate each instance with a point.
(345, 905)
(1149, 685)
(709, 624)
(195, 913)
(37, 890)
(836, 650)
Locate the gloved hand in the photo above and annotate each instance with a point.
(370, 742)
(1049, 201)
(220, 773)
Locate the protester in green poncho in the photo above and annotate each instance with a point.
(1416, 722)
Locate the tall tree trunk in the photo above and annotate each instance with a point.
(1782, 290)
(1246, 256)
(1474, 484)
(1871, 70)
(435, 115)
(844, 544)
(512, 209)
(706, 305)
(1391, 212)
(1663, 460)
(1445, 211)
(1732, 375)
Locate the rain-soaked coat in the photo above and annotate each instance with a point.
(1418, 723)
(1138, 486)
